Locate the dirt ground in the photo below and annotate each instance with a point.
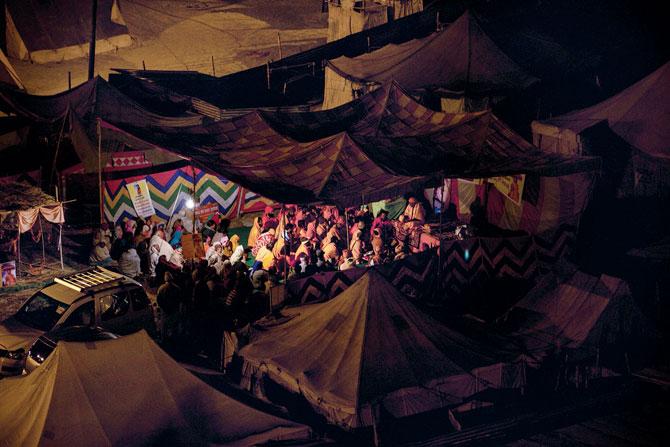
(186, 35)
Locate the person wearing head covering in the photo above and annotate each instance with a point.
(103, 235)
(255, 232)
(330, 250)
(177, 231)
(377, 242)
(382, 223)
(129, 262)
(237, 255)
(415, 211)
(177, 258)
(213, 254)
(304, 248)
(356, 246)
(264, 239)
(347, 263)
(234, 241)
(227, 246)
(310, 232)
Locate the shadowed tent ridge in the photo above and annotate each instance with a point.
(83, 395)
(370, 346)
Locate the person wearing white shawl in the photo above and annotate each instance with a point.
(238, 254)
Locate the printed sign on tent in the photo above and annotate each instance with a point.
(139, 194)
(510, 186)
(205, 212)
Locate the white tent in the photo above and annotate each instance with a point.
(371, 347)
(126, 392)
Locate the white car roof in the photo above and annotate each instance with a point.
(61, 293)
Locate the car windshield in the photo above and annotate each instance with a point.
(41, 312)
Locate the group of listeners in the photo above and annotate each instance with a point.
(228, 285)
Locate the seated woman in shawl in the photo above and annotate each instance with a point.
(264, 239)
(255, 232)
(177, 231)
(356, 247)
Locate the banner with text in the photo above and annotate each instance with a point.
(139, 195)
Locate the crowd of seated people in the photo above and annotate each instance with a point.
(230, 285)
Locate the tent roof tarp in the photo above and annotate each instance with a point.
(383, 151)
(371, 345)
(127, 392)
(460, 57)
(639, 114)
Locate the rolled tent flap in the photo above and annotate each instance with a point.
(53, 214)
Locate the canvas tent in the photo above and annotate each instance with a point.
(346, 17)
(461, 58)
(54, 31)
(94, 394)
(638, 115)
(370, 346)
(587, 318)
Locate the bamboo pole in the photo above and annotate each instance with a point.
(281, 56)
(18, 252)
(60, 245)
(101, 197)
(44, 257)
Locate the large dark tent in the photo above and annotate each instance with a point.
(461, 57)
(371, 347)
(53, 31)
(589, 319)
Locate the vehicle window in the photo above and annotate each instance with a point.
(82, 316)
(41, 312)
(114, 306)
(139, 299)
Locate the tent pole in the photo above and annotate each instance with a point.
(91, 46)
(101, 197)
(18, 251)
(286, 249)
(60, 138)
(346, 225)
(44, 257)
(240, 202)
(195, 200)
(60, 245)
(441, 203)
